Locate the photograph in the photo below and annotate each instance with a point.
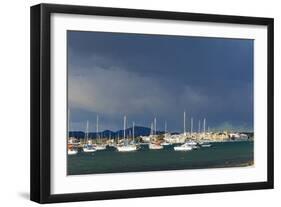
(132, 103)
(158, 102)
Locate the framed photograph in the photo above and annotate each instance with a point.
(132, 103)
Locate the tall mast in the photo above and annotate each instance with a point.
(204, 125)
(68, 123)
(87, 130)
(124, 127)
(165, 133)
(199, 126)
(97, 126)
(151, 129)
(184, 130)
(133, 132)
(191, 125)
(155, 125)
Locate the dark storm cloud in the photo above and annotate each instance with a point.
(143, 76)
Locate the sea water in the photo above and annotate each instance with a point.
(223, 154)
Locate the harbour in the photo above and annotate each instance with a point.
(131, 151)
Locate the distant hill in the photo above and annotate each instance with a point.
(138, 131)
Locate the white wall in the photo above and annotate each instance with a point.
(14, 110)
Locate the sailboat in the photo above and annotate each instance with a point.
(154, 145)
(99, 146)
(88, 147)
(204, 143)
(191, 142)
(133, 135)
(188, 145)
(71, 149)
(126, 146)
(165, 143)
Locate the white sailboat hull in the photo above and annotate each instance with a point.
(184, 147)
(89, 150)
(72, 152)
(128, 148)
(165, 144)
(100, 147)
(155, 146)
(191, 143)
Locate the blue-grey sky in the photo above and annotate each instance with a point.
(145, 76)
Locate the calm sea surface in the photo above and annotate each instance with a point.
(227, 154)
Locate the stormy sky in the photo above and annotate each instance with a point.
(145, 76)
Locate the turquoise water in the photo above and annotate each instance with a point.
(227, 154)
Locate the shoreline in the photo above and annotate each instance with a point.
(249, 163)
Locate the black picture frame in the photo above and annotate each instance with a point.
(41, 99)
